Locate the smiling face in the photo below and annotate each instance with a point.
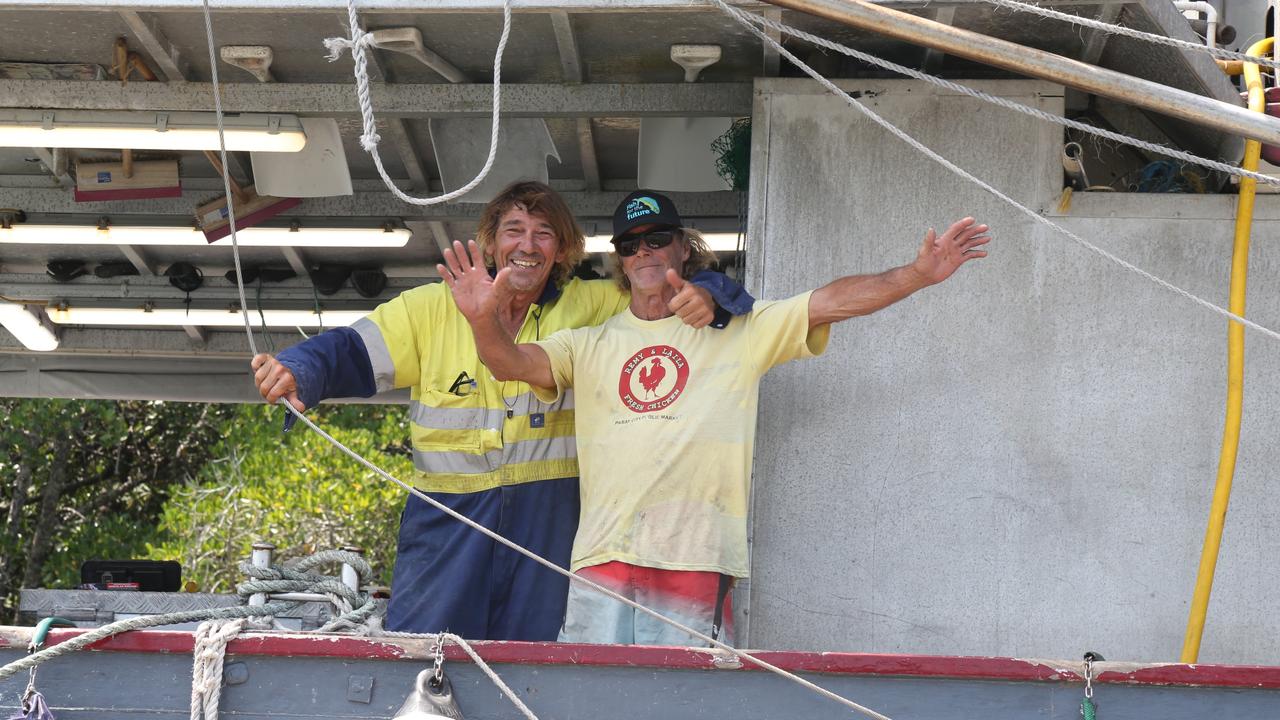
(527, 243)
(647, 269)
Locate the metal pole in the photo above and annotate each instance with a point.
(261, 558)
(1145, 94)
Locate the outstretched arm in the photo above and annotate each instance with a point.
(479, 297)
(939, 257)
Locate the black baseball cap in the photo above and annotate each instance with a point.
(645, 207)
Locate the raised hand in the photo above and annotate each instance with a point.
(692, 304)
(476, 294)
(275, 381)
(941, 255)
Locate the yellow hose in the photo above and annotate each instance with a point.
(1235, 372)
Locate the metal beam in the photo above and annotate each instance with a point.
(571, 66)
(570, 58)
(396, 6)
(296, 261)
(932, 56)
(199, 336)
(1097, 40)
(397, 134)
(361, 204)
(772, 61)
(136, 291)
(408, 7)
(146, 31)
(1171, 102)
(406, 101)
(55, 161)
(138, 260)
(441, 235)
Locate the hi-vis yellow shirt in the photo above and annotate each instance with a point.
(466, 437)
(666, 420)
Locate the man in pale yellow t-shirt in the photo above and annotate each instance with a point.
(666, 414)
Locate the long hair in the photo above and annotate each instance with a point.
(537, 199)
(700, 258)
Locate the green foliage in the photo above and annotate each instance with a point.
(293, 490)
(84, 479)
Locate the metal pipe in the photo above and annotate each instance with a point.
(992, 51)
(1210, 17)
(261, 558)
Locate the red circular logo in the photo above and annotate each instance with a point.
(653, 378)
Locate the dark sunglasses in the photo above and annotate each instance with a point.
(657, 240)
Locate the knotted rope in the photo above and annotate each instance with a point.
(369, 139)
(210, 650)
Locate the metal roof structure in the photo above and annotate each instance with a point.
(591, 68)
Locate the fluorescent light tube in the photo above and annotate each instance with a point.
(254, 132)
(718, 242)
(176, 317)
(25, 233)
(27, 326)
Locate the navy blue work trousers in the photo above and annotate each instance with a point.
(450, 577)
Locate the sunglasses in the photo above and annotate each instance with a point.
(629, 245)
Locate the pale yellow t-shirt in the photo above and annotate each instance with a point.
(666, 420)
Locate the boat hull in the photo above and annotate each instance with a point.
(148, 674)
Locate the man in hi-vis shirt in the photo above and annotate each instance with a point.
(486, 448)
(666, 413)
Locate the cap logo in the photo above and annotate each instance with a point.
(642, 206)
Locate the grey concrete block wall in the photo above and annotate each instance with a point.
(1017, 462)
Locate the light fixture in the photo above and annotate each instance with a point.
(28, 325)
(254, 132)
(718, 242)
(201, 317)
(258, 236)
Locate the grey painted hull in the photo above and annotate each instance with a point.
(149, 675)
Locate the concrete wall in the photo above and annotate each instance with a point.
(1018, 462)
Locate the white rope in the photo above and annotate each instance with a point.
(1111, 29)
(357, 44)
(484, 667)
(1005, 102)
(208, 653)
(901, 135)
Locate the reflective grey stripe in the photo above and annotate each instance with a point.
(384, 371)
(522, 405)
(453, 462)
(560, 448)
(436, 418)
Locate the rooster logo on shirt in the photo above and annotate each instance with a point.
(653, 378)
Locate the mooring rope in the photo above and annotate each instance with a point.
(356, 44)
(965, 174)
(1005, 102)
(1116, 29)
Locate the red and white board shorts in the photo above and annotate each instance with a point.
(700, 600)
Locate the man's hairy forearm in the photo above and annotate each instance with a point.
(862, 294)
(508, 361)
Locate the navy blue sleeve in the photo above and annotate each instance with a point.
(731, 298)
(332, 364)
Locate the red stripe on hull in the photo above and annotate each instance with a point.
(522, 653)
